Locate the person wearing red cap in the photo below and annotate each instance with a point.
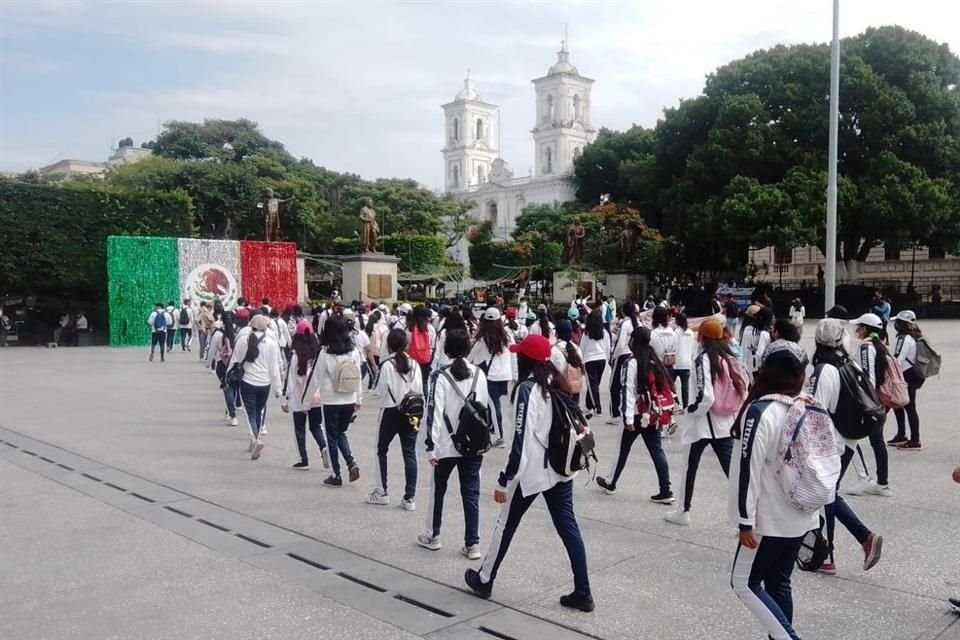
(525, 477)
(518, 330)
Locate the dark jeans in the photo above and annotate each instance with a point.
(300, 419)
(840, 510)
(372, 381)
(594, 375)
(171, 336)
(723, 447)
(158, 338)
(204, 339)
(684, 376)
(497, 389)
(255, 404)
(616, 386)
(185, 337)
(393, 423)
(652, 439)
(468, 470)
(761, 579)
(425, 369)
(880, 453)
(336, 420)
(231, 395)
(559, 499)
(910, 411)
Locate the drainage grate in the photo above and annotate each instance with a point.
(10, 444)
(63, 466)
(211, 524)
(46, 459)
(424, 606)
(137, 495)
(29, 453)
(94, 478)
(308, 561)
(178, 512)
(113, 486)
(362, 583)
(496, 634)
(251, 540)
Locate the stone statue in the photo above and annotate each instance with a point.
(271, 214)
(573, 247)
(628, 243)
(371, 231)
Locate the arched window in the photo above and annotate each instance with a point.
(576, 152)
(456, 129)
(550, 108)
(576, 107)
(479, 129)
(548, 161)
(481, 173)
(492, 212)
(455, 176)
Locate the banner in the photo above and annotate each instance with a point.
(741, 295)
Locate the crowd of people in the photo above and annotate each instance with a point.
(446, 372)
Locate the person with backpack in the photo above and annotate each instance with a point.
(828, 384)
(621, 354)
(338, 367)
(721, 386)
(301, 395)
(797, 314)
(663, 339)
(567, 359)
(544, 325)
(376, 330)
(400, 388)
(185, 322)
(422, 340)
(454, 322)
(686, 343)
(755, 336)
(646, 404)
(172, 321)
(257, 356)
(458, 434)
(361, 342)
(525, 477)
(516, 329)
(282, 332)
(595, 348)
(770, 521)
(908, 337)
(491, 352)
(220, 352)
(158, 330)
(204, 326)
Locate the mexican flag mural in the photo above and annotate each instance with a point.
(144, 270)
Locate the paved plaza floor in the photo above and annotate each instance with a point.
(128, 510)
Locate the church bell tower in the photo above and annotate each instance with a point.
(472, 130)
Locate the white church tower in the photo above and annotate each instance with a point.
(471, 139)
(563, 125)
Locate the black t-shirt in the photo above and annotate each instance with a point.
(731, 309)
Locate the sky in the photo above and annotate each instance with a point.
(357, 86)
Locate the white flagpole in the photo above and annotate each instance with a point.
(831, 266)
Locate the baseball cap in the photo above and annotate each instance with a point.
(260, 323)
(405, 308)
(242, 312)
(383, 308)
(711, 328)
(869, 320)
(753, 310)
(535, 347)
(349, 315)
(564, 329)
(786, 349)
(907, 316)
(511, 312)
(303, 328)
(573, 314)
(491, 313)
(541, 307)
(830, 332)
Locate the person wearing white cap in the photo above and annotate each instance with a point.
(401, 320)
(258, 356)
(491, 352)
(905, 324)
(872, 354)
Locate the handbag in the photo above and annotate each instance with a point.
(234, 375)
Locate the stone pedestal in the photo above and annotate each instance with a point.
(564, 291)
(301, 279)
(626, 286)
(369, 277)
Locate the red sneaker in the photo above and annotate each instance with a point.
(828, 568)
(871, 551)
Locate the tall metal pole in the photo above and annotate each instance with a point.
(830, 275)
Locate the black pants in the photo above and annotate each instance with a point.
(158, 338)
(684, 377)
(880, 454)
(559, 499)
(186, 336)
(171, 336)
(392, 424)
(910, 412)
(616, 386)
(594, 375)
(469, 471)
(652, 439)
(840, 510)
(761, 579)
(300, 419)
(722, 447)
(496, 389)
(336, 418)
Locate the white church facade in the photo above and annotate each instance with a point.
(474, 169)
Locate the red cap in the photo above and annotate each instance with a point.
(535, 347)
(511, 312)
(243, 312)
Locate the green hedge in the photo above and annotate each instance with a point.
(417, 253)
(55, 233)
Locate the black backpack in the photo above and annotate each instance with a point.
(184, 316)
(859, 412)
(472, 437)
(411, 405)
(569, 446)
(814, 551)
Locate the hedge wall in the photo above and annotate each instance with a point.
(54, 234)
(417, 253)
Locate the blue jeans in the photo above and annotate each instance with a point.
(469, 471)
(336, 419)
(840, 510)
(722, 447)
(559, 499)
(231, 395)
(255, 404)
(761, 579)
(392, 424)
(497, 389)
(300, 420)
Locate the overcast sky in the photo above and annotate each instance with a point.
(357, 86)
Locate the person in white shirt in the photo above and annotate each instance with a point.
(905, 350)
(172, 325)
(82, 323)
(361, 342)
(339, 404)
(282, 331)
(443, 415)
(797, 314)
(302, 395)
(185, 321)
(159, 325)
(259, 357)
(398, 377)
(518, 330)
(755, 338)
(566, 355)
(663, 339)
(595, 347)
(422, 338)
(771, 530)
(219, 354)
(872, 356)
(544, 325)
(618, 358)
(826, 386)
(453, 322)
(686, 345)
(377, 330)
(491, 352)
(525, 477)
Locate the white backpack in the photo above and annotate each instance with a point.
(346, 378)
(808, 463)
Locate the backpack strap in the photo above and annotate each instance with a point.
(453, 383)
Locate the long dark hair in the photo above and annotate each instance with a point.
(544, 320)
(629, 310)
(543, 373)
(305, 346)
(906, 328)
(718, 351)
(229, 331)
(336, 336)
(661, 317)
(454, 322)
(595, 326)
(397, 344)
(457, 348)
(565, 333)
(829, 355)
(647, 360)
(372, 321)
(253, 347)
(681, 320)
(420, 318)
(777, 375)
(493, 335)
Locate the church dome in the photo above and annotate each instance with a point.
(563, 63)
(469, 91)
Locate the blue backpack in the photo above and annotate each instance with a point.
(160, 321)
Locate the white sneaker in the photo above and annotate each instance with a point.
(408, 505)
(882, 490)
(858, 487)
(428, 541)
(263, 431)
(679, 517)
(257, 450)
(232, 422)
(325, 458)
(377, 496)
(472, 552)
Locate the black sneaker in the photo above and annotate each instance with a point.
(605, 486)
(472, 578)
(574, 601)
(354, 472)
(896, 441)
(955, 602)
(664, 497)
(333, 481)
(301, 466)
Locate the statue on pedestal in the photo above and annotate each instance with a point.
(628, 243)
(573, 247)
(371, 231)
(271, 214)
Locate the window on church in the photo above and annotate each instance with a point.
(492, 212)
(576, 152)
(548, 109)
(455, 176)
(456, 129)
(479, 129)
(576, 107)
(548, 161)
(481, 174)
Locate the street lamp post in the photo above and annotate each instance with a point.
(831, 270)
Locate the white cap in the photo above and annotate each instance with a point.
(907, 316)
(869, 320)
(405, 308)
(491, 313)
(349, 314)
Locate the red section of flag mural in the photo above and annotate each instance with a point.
(269, 271)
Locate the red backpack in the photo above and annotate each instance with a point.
(419, 348)
(656, 404)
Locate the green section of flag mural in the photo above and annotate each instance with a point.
(141, 271)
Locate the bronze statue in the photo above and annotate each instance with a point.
(573, 247)
(271, 214)
(368, 238)
(628, 243)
